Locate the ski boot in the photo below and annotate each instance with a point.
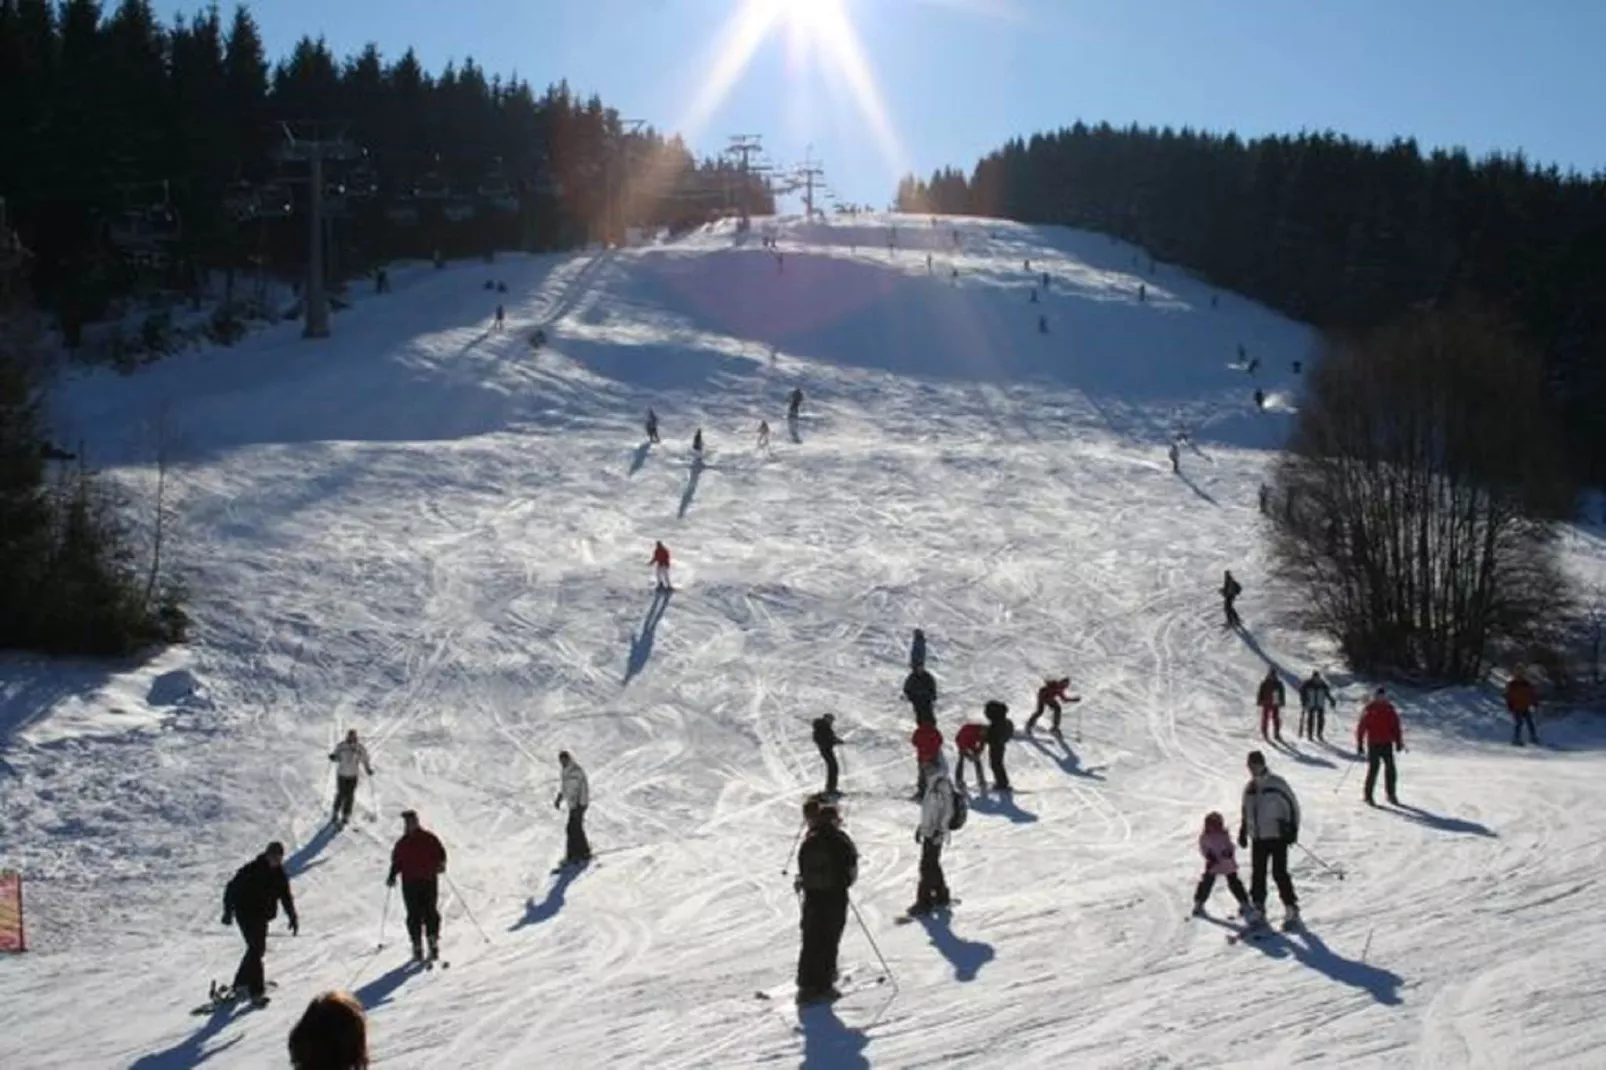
(434, 950)
(1198, 910)
(418, 952)
(1291, 922)
(1254, 919)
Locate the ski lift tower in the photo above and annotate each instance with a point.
(744, 145)
(313, 142)
(808, 173)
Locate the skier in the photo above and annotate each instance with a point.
(1270, 820)
(827, 866)
(969, 742)
(1216, 846)
(1230, 590)
(763, 434)
(331, 1035)
(1254, 365)
(917, 650)
(1522, 699)
(927, 742)
(1260, 399)
(1027, 267)
(1377, 736)
(928, 263)
(697, 444)
(652, 427)
(1000, 730)
(826, 739)
(1049, 697)
(500, 316)
(1176, 458)
(920, 689)
(250, 901)
(1034, 295)
(574, 790)
(1264, 497)
(349, 756)
(936, 811)
(1271, 698)
(418, 858)
(795, 403)
(1042, 324)
(660, 567)
(1314, 698)
(1045, 280)
(1143, 293)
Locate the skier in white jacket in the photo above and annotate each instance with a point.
(576, 792)
(349, 757)
(936, 811)
(1268, 827)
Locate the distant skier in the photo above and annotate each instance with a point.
(763, 434)
(1314, 698)
(1045, 280)
(1049, 697)
(928, 264)
(920, 690)
(1176, 458)
(1264, 498)
(574, 791)
(660, 567)
(349, 757)
(652, 427)
(331, 1035)
(1042, 324)
(1271, 698)
(1260, 399)
(1027, 266)
(697, 444)
(1522, 699)
(1254, 365)
(1034, 295)
(1143, 293)
(419, 859)
(827, 866)
(927, 742)
(969, 742)
(826, 740)
(1000, 730)
(500, 317)
(1378, 736)
(936, 812)
(917, 650)
(1215, 843)
(1270, 821)
(1230, 590)
(251, 900)
(795, 403)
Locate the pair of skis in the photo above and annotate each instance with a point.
(221, 997)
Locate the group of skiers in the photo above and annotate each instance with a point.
(794, 408)
(1315, 696)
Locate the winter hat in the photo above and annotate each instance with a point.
(829, 717)
(409, 815)
(276, 849)
(1214, 820)
(995, 709)
(1257, 758)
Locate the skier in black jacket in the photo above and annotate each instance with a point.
(827, 866)
(825, 738)
(920, 688)
(1230, 590)
(1000, 730)
(251, 900)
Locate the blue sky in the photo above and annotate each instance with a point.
(958, 77)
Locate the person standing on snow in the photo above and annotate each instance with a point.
(1271, 697)
(652, 427)
(251, 901)
(660, 566)
(1522, 699)
(969, 742)
(1216, 846)
(349, 757)
(825, 738)
(419, 859)
(1176, 458)
(697, 444)
(1314, 698)
(574, 790)
(1230, 590)
(500, 316)
(936, 811)
(927, 742)
(827, 866)
(795, 404)
(917, 651)
(1000, 730)
(1377, 736)
(763, 434)
(1049, 697)
(1269, 825)
(920, 689)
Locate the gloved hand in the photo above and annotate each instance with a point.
(228, 918)
(1243, 840)
(917, 836)
(1400, 747)
(557, 802)
(1360, 752)
(390, 881)
(295, 925)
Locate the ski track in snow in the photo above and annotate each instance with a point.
(427, 530)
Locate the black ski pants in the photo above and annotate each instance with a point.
(577, 848)
(1517, 721)
(1233, 619)
(1380, 754)
(831, 769)
(423, 914)
(1272, 853)
(995, 758)
(925, 710)
(825, 915)
(1044, 704)
(974, 758)
(1208, 881)
(1312, 722)
(933, 890)
(249, 978)
(345, 794)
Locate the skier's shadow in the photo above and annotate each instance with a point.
(192, 1050)
(967, 956)
(547, 909)
(1384, 985)
(828, 1044)
(639, 458)
(306, 856)
(691, 485)
(1066, 759)
(1444, 824)
(1301, 757)
(641, 643)
(1003, 803)
(1200, 491)
(381, 988)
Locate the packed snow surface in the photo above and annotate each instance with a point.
(426, 530)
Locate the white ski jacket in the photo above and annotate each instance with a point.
(936, 806)
(1270, 811)
(349, 757)
(575, 790)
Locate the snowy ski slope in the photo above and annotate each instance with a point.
(427, 531)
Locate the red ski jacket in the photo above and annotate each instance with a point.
(971, 739)
(418, 856)
(1520, 696)
(928, 742)
(660, 556)
(1053, 691)
(1380, 723)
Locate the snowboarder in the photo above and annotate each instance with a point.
(349, 756)
(1176, 458)
(1230, 590)
(1522, 699)
(936, 811)
(1271, 698)
(331, 1035)
(827, 866)
(826, 739)
(1378, 736)
(1270, 821)
(795, 403)
(697, 444)
(1000, 730)
(500, 317)
(969, 742)
(927, 742)
(920, 689)
(250, 901)
(574, 790)
(1216, 845)
(1049, 697)
(1314, 698)
(660, 567)
(917, 650)
(652, 427)
(763, 434)
(419, 859)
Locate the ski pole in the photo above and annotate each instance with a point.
(1345, 777)
(453, 886)
(801, 825)
(383, 914)
(1337, 871)
(886, 970)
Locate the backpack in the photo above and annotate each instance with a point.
(961, 811)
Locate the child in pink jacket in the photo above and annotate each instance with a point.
(1217, 847)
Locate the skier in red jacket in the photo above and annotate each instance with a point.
(418, 859)
(1378, 735)
(927, 740)
(970, 742)
(660, 567)
(1049, 697)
